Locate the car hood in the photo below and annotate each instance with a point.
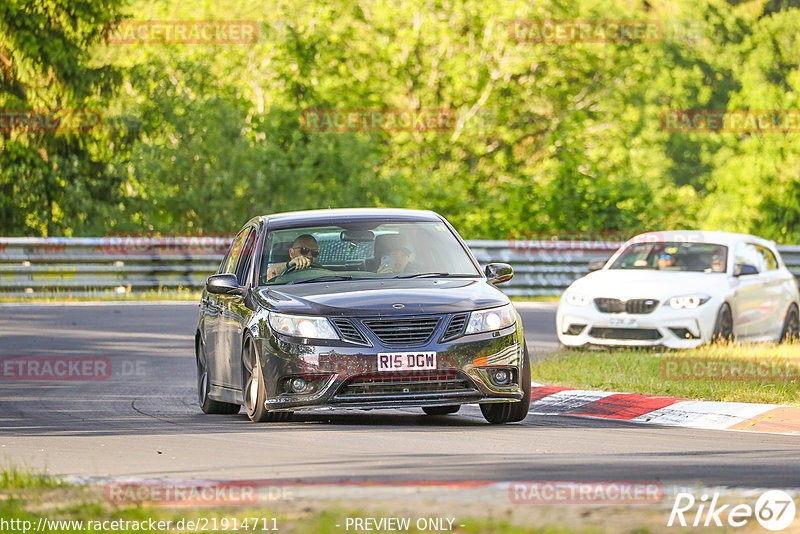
(626, 284)
(378, 297)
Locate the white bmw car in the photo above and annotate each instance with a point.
(682, 289)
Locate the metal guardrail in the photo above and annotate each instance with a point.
(85, 266)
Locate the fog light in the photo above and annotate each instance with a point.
(298, 385)
(502, 377)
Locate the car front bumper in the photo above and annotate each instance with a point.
(678, 329)
(344, 375)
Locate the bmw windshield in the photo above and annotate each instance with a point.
(674, 256)
(377, 251)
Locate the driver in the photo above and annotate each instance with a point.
(303, 253)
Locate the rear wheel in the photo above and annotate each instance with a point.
(441, 410)
(208, 405)
(510, 412)
(253, 390)
(791, 325)
(723, 328)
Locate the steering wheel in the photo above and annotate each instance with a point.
(313, 265)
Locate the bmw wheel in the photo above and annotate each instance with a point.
(791, 325)
(723, 328)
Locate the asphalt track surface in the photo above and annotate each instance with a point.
(144, 421)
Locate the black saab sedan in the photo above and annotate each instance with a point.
(358, 308)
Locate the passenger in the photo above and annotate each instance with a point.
(665, 261)
(392, 253)
(718, 260)
(302, 254)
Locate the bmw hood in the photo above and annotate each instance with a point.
(626, 284)
(377, 297)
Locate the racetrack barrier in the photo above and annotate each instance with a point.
(87, 266)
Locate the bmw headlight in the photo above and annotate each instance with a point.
(493, 319)
(688, 301)
(576, 299)
(302, 326)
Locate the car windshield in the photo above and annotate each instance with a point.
(674, 256)
(369, 251)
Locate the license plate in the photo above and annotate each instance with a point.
(623, 322)
(406, 361)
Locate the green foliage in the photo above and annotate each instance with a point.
(556, 136)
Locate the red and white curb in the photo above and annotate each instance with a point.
(549, 400)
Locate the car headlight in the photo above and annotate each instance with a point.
(576, 299)
(302, 326)
(688, 301)
(493, 319)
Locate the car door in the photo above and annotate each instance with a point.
(776, 302)
(212, 312)
(750, 313)
(235, 312)
(219, 365)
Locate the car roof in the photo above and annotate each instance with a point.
(700, 236)
(346, 216)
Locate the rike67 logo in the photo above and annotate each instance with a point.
(774, 510)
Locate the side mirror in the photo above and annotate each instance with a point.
(743, 269)
(596, 265)
(223, 284)
(497, 273)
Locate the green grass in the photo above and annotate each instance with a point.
(640, 371)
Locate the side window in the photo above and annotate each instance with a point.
(747, 253)
(246, 257)
(770, 262)
(233, 254)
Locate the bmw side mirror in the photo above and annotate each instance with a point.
(224, 284)
(596, 265)
(743, 269)
(497, 273)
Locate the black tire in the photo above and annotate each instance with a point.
(441, 410)
(511, 412)
(253, 391)
(723, 327)
(791, 325)
(208, 405)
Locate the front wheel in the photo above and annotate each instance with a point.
(791, 325)
(253, 390)
(723, 328)
(209, 406)
(511, 412)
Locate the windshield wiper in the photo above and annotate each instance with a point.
(426, 275)
(326, 278)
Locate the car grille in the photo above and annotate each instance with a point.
(401, 332)
(456, 326)
(399, 384)
(644, 334)
(348, 331)
(633, 306)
